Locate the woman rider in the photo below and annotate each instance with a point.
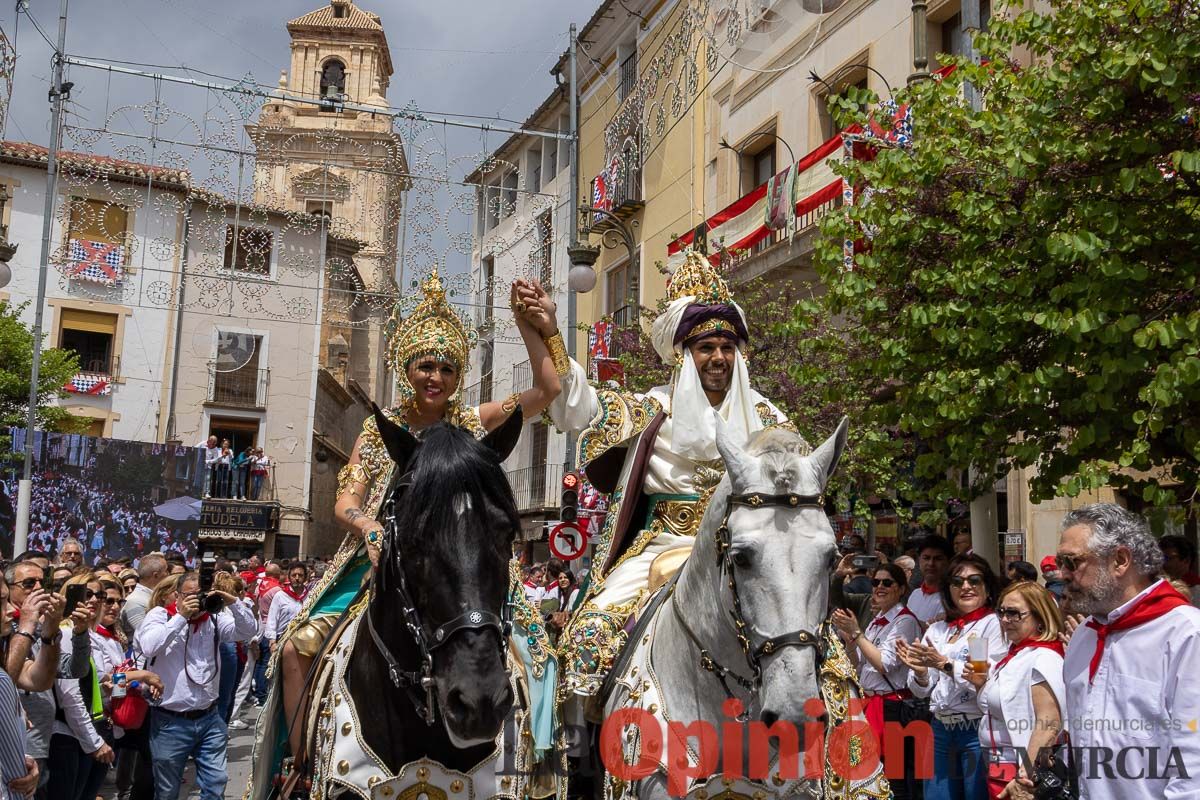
(428, 353)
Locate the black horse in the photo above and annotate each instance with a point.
(438, 609)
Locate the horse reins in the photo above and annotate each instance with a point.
(754, 654)
(418, 684)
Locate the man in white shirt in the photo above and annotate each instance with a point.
(179, 643)
(212, 454)
(286, 602)
(152, 568)
(1130, 668)
(925, 602)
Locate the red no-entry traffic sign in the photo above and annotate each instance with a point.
(567, 541)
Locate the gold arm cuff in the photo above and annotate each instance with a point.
(510, 403)
(558, 353)
(350, 475)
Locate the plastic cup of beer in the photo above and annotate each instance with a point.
(977, 653)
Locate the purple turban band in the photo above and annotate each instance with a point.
(697, 315)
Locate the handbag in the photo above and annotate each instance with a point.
(129, 712)
(912, 709)
(1054, 773)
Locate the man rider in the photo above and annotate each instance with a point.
(655, 455)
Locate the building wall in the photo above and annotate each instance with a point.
(133, 409)
(672, 165)
(514, 246)
(290, 349)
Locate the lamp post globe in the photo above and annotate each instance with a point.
(6, 274)
(581, 279)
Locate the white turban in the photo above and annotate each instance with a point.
(694, 427)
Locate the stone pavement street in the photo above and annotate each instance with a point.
(238, 757)
(241, 743)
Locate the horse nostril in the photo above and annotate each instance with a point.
(456, 707)
(769, 717)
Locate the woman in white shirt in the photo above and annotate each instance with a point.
(1022, 695)
(939, 664)
(883, 676)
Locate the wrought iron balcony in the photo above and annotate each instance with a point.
(522, 377)
(240, 388)
(536, 488)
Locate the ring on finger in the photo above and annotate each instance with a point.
(521, 307)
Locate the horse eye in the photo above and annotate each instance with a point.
(741, 558)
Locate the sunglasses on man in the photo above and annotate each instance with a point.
(29, 583)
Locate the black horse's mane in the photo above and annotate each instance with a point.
(448, 464)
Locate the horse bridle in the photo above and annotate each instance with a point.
(418, 684)
(754, 653)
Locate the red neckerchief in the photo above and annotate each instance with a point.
(1029, 643)
(266, 584)
(967, 619)
(287, 589)
(928, 589)
(1151, 606)
(105, 632)
(197, 621)
(16, 614)
(531, 584)
(882, 620)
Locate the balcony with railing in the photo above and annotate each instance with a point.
(536, 488)
(522, 377)
(240, 388)
(629, 76)
(479, 392)
(778, 250)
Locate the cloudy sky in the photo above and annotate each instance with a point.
(482, 57)
(463, 56)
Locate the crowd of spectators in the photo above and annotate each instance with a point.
(1084, 676)
(234, 475)
(137, 678)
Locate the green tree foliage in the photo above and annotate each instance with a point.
(16, 368)
(1028, 296)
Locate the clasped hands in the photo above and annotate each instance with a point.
(532, 306)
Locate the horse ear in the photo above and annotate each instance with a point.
(400, 443)
(738, 464)
(827, 456)
(503, 439)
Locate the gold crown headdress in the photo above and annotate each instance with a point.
(434, 329)
(698, 278)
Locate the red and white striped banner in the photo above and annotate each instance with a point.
(742, 224)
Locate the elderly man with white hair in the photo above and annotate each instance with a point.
(1131, 667)
(655, 454)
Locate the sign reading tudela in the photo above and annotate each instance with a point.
(233, 515)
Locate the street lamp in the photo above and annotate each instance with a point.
(583, 255)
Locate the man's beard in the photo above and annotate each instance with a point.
(1099, 600)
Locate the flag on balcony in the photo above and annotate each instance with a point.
(99, 262)
(600, 197)
(83, 383)
(781, 207)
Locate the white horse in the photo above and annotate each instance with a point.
(746, 619)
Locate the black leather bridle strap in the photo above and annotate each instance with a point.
(759, 500)
(471, 620)
(801, 638)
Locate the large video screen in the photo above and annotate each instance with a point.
(118, 499)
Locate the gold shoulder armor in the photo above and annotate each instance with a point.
(622, 416)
